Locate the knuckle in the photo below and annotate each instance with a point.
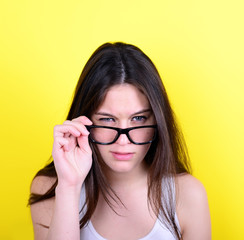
(55, 130)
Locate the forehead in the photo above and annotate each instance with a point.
(124, 97)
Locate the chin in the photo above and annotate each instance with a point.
(123, 167)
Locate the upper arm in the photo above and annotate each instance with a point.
(193, 209)
(41, 212)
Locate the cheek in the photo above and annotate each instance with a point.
(103, 150)
(144, 149)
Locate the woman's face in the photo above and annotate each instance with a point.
(124, 106)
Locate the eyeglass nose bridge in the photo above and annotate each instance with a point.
(124, 131)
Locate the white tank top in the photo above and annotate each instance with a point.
(158, 232)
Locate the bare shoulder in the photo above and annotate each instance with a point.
(189, 188)
(192, 208)
(41, 212)
(41, 184)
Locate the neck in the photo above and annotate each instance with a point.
(127, 187)
(129, 180)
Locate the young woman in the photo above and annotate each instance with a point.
(120, 167)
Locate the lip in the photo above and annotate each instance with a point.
(123, 156)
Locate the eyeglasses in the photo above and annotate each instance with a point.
(108, 135)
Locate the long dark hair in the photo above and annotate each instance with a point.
(119, 63)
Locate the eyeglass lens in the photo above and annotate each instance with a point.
(138, 135)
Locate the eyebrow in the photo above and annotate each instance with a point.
(111, 115)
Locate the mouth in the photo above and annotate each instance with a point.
(123, 156)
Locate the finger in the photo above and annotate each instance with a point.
(78, 125)
(66, 144)
(83, 144)
(60, 130)
(60, 142)
(67, 135)
(72, 143)
(83, 119)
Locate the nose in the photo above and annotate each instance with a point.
(123, 140)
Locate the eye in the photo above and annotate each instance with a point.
(106, 119)
(139, 118)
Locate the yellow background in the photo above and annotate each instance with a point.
(197, 46)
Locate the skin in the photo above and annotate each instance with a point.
(123, 107)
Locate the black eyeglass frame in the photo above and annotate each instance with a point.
(121, 131)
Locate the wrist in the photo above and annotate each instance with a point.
(68, 190)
